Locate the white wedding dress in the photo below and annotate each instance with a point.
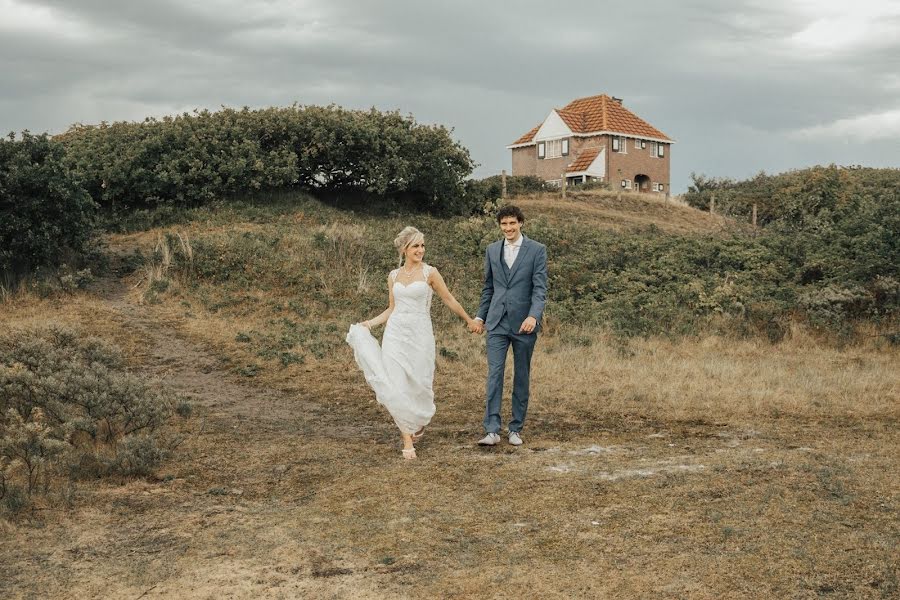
(401, 370)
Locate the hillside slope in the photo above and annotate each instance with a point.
(623, 212)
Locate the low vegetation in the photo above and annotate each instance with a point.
(641, 281)
(70, 410)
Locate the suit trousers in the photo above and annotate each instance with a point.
(499, 340)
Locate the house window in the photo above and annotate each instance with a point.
(565, 147)
(618, 145)
(626, 183)
(660, 150)
(541, 150)
(662, 187)
(554, 148)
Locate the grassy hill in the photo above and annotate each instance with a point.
(672, 449)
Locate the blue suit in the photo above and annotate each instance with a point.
(509, 296)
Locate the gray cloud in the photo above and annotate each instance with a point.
(733, 84)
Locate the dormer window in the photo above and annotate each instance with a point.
(553, 148)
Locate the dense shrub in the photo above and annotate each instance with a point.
(190, 159)
(794, 196)
(837, 229)
(68, 407)
(490, 188)
(46, 217)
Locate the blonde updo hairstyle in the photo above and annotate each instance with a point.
(409, 235)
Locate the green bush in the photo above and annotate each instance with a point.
(191, 159)
(46, 217)
(489, 189)
(836, 232)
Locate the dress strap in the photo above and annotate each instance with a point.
(394, 274)
(426, 271)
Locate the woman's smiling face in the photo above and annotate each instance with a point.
(415, 252)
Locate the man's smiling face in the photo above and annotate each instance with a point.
(511, 228)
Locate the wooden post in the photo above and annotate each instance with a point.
(712, 204)
(503, 184)
(563, 186)
(754, 214)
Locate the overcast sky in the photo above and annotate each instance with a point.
(741, 86)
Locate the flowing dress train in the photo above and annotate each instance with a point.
(401, 369)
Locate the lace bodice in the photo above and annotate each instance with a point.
(414, 298)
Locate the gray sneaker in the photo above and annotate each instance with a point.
(514, 438)
(489, 440)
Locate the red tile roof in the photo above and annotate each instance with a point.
(528, 136)
(583, 160)
(600, 113)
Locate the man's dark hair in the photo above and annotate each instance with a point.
(510, 211)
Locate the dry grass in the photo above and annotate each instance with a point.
(720, 379)
(706, 468)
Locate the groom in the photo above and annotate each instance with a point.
(512, 303)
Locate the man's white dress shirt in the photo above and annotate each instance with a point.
(511, 251)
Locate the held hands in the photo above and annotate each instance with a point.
(528, 325)
(476, 326)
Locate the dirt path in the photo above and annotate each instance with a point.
(183, 535)
(282, 495)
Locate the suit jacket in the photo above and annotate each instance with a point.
(520, 291)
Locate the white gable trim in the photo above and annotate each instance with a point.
(552, 128)
(597, 168)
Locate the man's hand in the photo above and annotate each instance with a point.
(476, 326)
(528, 325)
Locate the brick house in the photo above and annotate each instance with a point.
(595, 139)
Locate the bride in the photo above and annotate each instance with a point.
(401, 370)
